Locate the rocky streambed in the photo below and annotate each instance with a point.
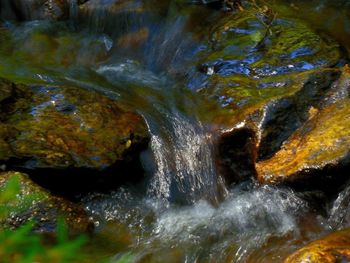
(176, 131)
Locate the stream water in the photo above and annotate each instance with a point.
(142, 54)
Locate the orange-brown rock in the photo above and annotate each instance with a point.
(330, 249)
(322, 141)
(67, 127)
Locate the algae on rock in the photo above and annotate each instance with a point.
(62, 127)
(35, 203)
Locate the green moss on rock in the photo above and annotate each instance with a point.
(34, 203)
(61, 127)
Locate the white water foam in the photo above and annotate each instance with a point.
(242, 223)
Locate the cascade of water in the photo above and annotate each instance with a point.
(184, 162)
(184, 169)
(73, 9)
(143, 78)
(181, 147)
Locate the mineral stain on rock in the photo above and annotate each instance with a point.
(330, 249)
(57, 127)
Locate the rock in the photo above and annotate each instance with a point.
(245, 66)
(283, 116)
(267, 126)
(321, 142)
(265, 80)
(34, 203)
(67, 127)
(330, 249)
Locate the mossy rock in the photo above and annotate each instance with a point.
(35, 203)
(330, 249)
(67, 127)
(247, 65)
(321, 142)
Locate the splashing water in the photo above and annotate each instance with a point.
(243, 222)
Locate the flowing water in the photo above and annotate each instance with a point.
(142, 55)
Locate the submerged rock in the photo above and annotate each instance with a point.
(67, 127)
(34, 203)
(247, 64)
(330, 249)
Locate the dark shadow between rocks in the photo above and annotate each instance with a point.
(71, 182)
(236, 155)
(329, 179)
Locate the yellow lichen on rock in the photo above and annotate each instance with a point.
(322, 141)
(331, 249)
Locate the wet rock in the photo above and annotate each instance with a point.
(319, 144)
(270, 125)
(285, 115)
(5, 149)
(34, 203)
(267, 74)
(247, 65)
(67, 127)
(330, 249)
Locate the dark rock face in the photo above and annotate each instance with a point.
(44, 209)
(66, 127)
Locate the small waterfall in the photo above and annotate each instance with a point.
(184, 162)
(181, 147)
(148, 76)
(73, 9)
